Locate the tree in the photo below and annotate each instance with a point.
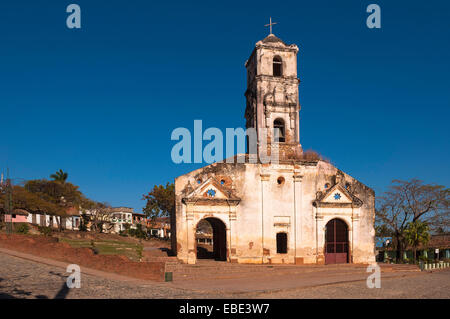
(60, 176)
(382, 231)
(204, 227)
(160, 201)
(410, 201)
(55, 192)
(23, 199)
(417, 233)
(98, 215)
(65, 195)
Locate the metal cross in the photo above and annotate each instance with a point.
(270, 25)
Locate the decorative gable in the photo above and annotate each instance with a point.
(337, 196)
(211, 192)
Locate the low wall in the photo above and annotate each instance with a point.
(49, 247)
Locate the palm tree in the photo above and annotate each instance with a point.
(60, 176)
(417, 233)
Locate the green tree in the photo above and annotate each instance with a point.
(417, 233)
(60, 176)
(410, 201)
(160, 201)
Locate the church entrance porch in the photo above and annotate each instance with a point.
(336, 242)
(216, 248)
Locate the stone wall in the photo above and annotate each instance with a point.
(276, 198)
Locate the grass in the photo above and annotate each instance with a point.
(108, 247)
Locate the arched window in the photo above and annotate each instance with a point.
(277, 66)
(278, 131)
(281, 243)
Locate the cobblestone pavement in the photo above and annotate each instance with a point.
(20, 278)
(421, 285)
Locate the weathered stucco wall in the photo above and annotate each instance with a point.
(254, 202)
(267, 207)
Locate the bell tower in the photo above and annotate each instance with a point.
(272, 97)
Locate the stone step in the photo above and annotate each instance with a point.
(260, 275)
(398, 267)
(263, 268)
(224, 270)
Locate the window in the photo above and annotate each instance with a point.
(278, 131)
(281, 243)
(280, 180)
(277, 66)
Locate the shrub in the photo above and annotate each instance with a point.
(21, 228)
(423, 258)
(82, 227)
(44, 230)
(310, 155)
(139, 232)
(123, 233)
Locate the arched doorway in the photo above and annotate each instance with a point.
(211, 241)
(336, 242)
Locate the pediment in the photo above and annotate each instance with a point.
(337, 196)
(211, 191)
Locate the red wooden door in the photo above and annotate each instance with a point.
(336, 242)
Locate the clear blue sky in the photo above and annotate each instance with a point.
(101, 102)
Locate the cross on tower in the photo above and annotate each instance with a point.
(270, 25)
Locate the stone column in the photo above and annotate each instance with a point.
(320, 237)
(232, 234)
(190, 233)
(264, 256)
(297, 218)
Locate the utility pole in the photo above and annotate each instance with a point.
(8, 204)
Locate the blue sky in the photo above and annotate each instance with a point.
(101, 102)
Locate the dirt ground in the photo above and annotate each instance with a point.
(23, 278)
(115, 257)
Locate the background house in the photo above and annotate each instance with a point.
(120, 216)
(138, 218)
(438, 248)
(18, 216)
(159, 227)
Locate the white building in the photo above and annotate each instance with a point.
(301, 210)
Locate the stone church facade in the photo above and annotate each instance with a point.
(299, 210)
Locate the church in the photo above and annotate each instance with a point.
(299, 210)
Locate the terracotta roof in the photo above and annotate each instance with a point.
(72, 211)
(120, 210)
(438, 241)
(22, 212)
